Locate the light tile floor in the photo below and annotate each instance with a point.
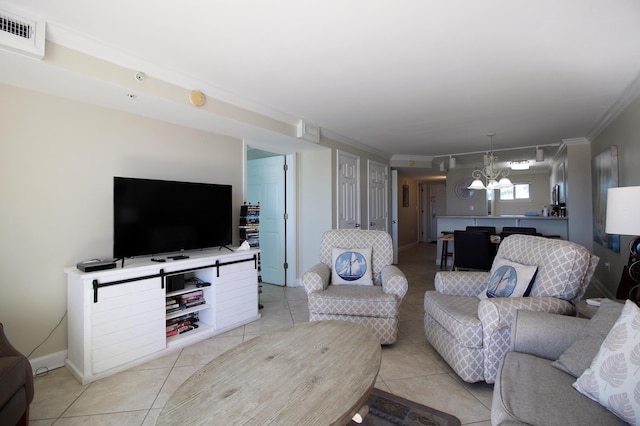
(410, 368)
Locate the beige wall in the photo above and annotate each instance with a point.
(315, 192)
(57, 163)
(477, 205)
(539, 193)
(625, 133)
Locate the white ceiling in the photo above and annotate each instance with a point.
(420, 77)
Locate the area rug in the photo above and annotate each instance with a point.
(386, 409)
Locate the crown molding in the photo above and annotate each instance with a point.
(416, 158)
(337, 137)
(629, 95)
(88, 45)
(576, 141)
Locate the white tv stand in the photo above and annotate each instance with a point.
(117, 317)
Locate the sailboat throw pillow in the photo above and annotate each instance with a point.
(351, 266)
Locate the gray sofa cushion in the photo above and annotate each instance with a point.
(529, 390)
(579, 355)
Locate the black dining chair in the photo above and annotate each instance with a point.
(510, 230)
(491, 229)
(473, 250)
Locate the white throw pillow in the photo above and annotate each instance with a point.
(613, 380)
(509, 279)
(351, 266)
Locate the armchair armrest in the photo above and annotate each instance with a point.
(498, 313)
(394, 281)
(543, 334)
(456, 283)
(8, 350)
(316, 278)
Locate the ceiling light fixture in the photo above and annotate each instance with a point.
(491, 172)
(539, 154)
(452, 162)
(519, 165)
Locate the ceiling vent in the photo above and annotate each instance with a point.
(308, 132)
(22, 35)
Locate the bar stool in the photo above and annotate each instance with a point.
(445, 250)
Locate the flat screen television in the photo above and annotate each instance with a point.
(158, 216)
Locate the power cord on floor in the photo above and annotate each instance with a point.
(47, 338)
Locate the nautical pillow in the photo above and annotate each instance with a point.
(613, 380)
(510, 279)
(351, 266)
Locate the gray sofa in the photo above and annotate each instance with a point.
(531, 388)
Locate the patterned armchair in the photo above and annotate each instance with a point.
(376, 306)
(473, 335)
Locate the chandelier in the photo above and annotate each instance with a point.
(495, 177)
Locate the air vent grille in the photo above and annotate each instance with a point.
(22, 34)
(15, 27)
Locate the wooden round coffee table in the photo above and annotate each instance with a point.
(314, 373)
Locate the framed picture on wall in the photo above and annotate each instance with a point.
(605, 176)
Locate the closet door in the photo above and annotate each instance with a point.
(348, 191)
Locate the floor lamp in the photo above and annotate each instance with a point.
(623, 208)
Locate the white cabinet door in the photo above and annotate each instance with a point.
(127, 323)
(236, 294)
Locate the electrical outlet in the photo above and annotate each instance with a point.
(471, 207)
(608, 266)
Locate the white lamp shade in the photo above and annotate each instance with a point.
(505, 182)
(476, 184)
(623, 208)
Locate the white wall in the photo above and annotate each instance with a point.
(57, 162)
(314, 207)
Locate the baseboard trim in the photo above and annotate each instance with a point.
(48, 362)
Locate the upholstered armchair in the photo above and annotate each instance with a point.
(472, 332)
(16, 384)
(375, 306)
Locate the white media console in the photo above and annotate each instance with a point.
(117, 317)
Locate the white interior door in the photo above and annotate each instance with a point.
(266, 184)
(348, 204)
(378, 195)
(394, 214)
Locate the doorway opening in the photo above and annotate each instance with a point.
(269, 183)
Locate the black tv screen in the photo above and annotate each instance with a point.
(157, 216)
